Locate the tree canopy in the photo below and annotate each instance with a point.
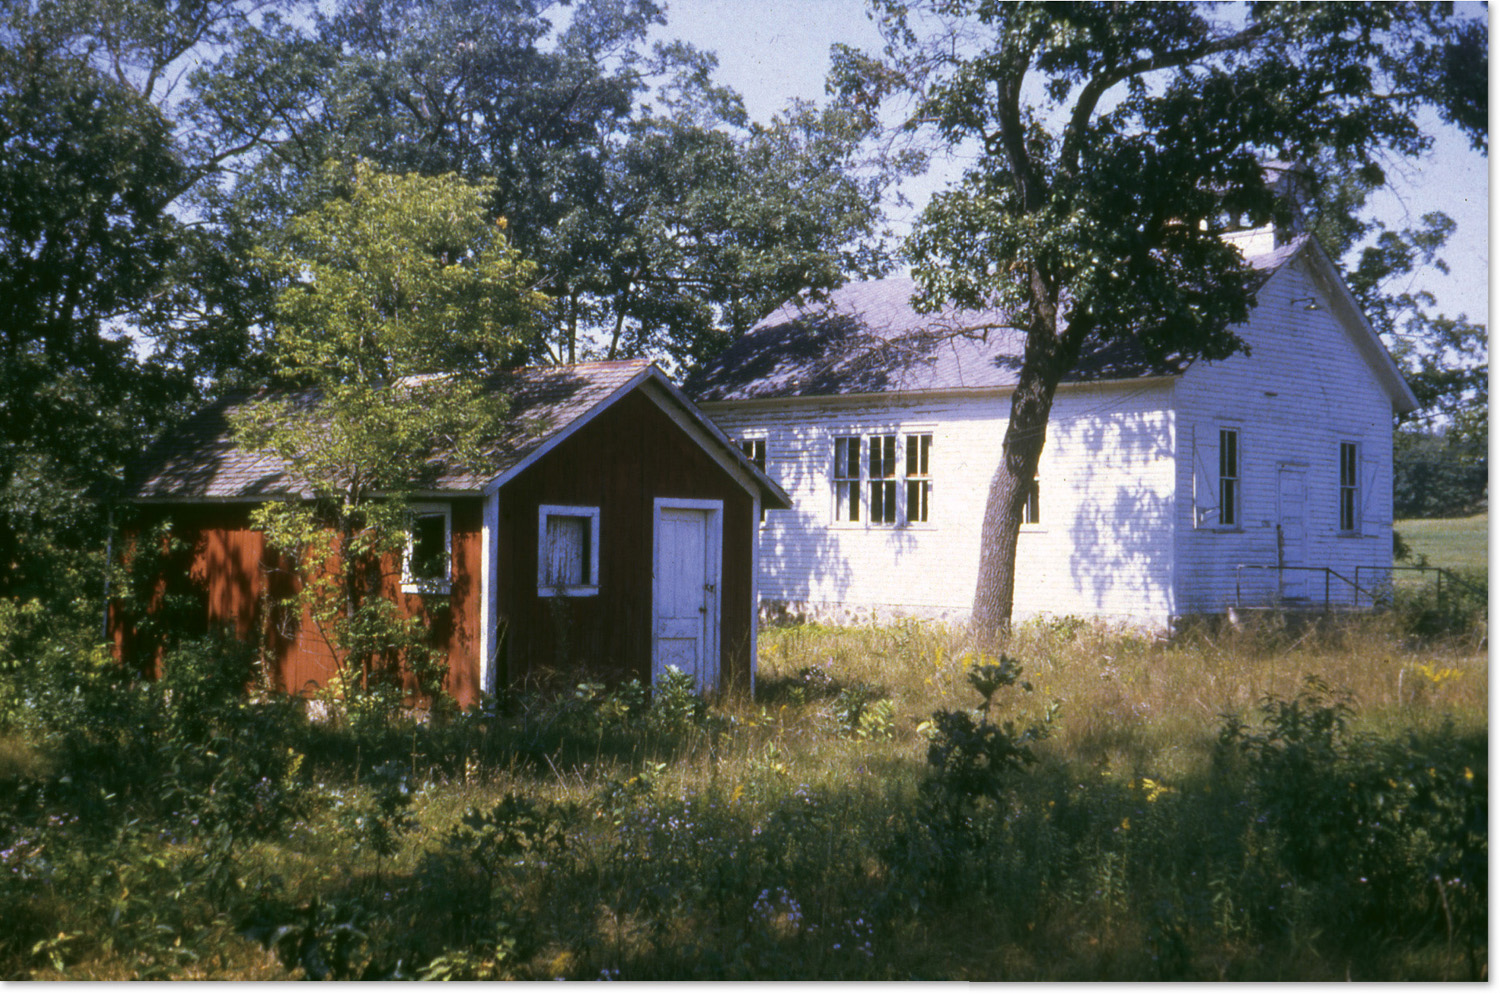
(155, 156)
(85, 172)
(1114, 146)
(658, 214)
(399, 297)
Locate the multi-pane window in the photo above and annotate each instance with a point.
(1348, 487)
(426, 567)
(1031, 511)
(755, 450)
(1229, 476)
(567, 551)
(918, 477)
(846, 478)
(883, 479)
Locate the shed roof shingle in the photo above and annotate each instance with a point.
(200, 460)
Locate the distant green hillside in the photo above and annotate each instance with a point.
(1457, 543)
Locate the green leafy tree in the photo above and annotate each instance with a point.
(661, 220)
(1444, 359)
(719, 226)
(110, 317)
(399, 296)
(84, 168)
(1438, 475)
(1111, 142)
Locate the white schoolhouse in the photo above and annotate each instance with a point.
(1163, 490)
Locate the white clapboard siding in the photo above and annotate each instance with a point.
(1129, 477)
(1303, 389)
(1099, 549)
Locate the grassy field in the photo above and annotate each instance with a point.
(1453, 543)
(1123, 808)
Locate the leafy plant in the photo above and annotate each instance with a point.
(378, 815)
(676, 705)
(325, 940)
(973, 755)
(1363, 826)
(861, 711)
(516, 830)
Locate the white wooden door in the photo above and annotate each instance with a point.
(1291, 529)
(686, 592)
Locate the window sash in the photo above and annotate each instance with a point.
(427, 562)
(883, 479)
(890, 477)
(918, 478)
(429, 548)
(1348, 487)
(1031, 511)
(755, 450)
(1229, 476)
(567, 551)
(846, 478)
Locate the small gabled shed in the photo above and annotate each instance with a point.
(617, 536)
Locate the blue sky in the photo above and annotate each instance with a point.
(772, 51)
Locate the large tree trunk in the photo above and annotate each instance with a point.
(994, 593)
(1050, 353)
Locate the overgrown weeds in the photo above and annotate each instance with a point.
(1093, 804)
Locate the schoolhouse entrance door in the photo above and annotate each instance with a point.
(685, 589)
(1291, 530)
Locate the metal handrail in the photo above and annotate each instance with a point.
(1441, 571)
(1328, 574)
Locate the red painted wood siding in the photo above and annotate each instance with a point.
(229, 570)
(620, 462)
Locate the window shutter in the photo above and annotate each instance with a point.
(1369, 476)
(1205, 480)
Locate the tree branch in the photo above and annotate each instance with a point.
(1094, 90)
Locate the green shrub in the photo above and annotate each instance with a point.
(1461, 611)
(377, 815)
(326, 940)
(1371, 837)
(676, 705)
(974, 756)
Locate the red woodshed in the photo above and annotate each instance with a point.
(616, 538)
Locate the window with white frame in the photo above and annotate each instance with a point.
(1229, 477)
(1031, 511)
(427, 565)
(567, 551)
(755, 450)
(890, 486)
(846, 478)
(1349, 487)
(918, 477)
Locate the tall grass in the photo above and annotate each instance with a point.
(1195, 808)
(1454, 543)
